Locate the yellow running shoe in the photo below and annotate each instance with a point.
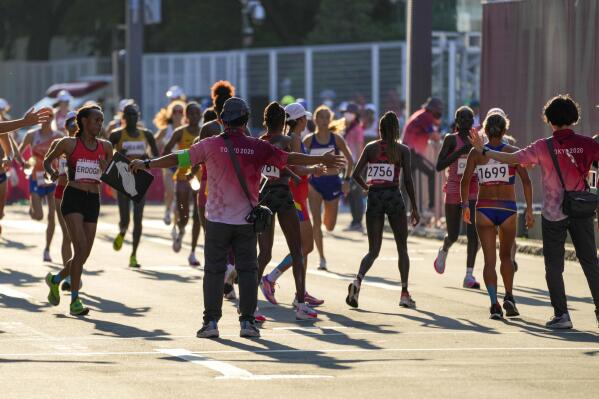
(117, 244)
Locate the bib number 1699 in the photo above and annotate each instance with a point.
(493, 173)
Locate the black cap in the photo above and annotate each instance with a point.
(351, 107)
(434, 104)
(234, 108)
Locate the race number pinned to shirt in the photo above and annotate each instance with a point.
(592, 179)
(40, 178)
(493, 173)
(320, 151)
(380, 172)
(271, 172)
(134, 148)
(462, 165)
(87, 170)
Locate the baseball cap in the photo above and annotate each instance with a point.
(4, 104)
(434, 104)
(124, 102)
(70, 115)
(234, 108)
(296, 110)
(496, 111)
(350, 107)
(63, 96)
(370, 107)
(175, 92)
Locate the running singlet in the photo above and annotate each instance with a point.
(320, 149)
(270, 172)
(380, 172)
(496, 173)
(39, 148)
(132, 147)
(84, 164)
(184, 144)
(454, 177)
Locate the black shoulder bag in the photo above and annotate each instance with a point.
(260, 216)
(577, 204)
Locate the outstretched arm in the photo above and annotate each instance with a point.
(31, 118)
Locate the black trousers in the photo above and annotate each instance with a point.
(219, 239)
(582, 232)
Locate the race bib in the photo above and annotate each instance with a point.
(462, 165)
(87, 170)
(320, 151)
(135, 148)
(380, 171)
(493, 173)
(271, 172)
(62, 166)
(40, 178)
(592, 179)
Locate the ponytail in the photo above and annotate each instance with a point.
(389, 128)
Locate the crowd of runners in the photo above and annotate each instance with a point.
(233, 186)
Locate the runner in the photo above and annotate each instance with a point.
(228, 206)
(133, 143)
(574, 154)
(168, 120)
(183, 137)
(496, 210)
(385, 159)
(40, 188)
(61, 109)
(327, 188)
(61, 182)
(118, 121)
(297, 119)
(453, 156)
(276, 196)
(86, 156)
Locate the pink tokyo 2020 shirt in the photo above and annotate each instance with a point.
(227, 203)
(584, 151)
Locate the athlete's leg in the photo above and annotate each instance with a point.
(488, 236)
(289, 223)
(138, 215)
(374, 228)
(315, 210)
(331, 209)
(51, 220)
(399, 225)
(169, 192)
(473, 244)
(453, 219)
(507, 236)
(124, 203)
(2, 198)
(265, 243)
(183, 198)
(36, 210)
(65, 249)
(197, 224)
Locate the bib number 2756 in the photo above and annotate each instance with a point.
(380, 171)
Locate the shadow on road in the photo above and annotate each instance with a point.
(112, 329)
(108, 306)
(20, 303)
(160, 276)
(437, 321)
(4, 242)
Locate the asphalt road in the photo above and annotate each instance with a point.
(139, 339)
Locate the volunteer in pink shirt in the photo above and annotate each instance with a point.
(575, 155)
(227, 207)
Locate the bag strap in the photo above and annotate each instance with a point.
(236, 166)
(549, 142)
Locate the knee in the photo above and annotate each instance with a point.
(330, 226)
(36, 215)
(451, 237)
(308, 247)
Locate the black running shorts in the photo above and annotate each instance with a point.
(82, 202)
(387, 200)
(277, 198)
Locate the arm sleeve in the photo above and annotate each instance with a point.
(197, 152)
(530, 154)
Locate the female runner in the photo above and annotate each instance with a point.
(453, 155)
(87, 156)
(327, 188)
(496, 210)
(385, 159)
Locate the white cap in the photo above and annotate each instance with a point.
(70, 115)
(496, 111)
(175, 92)
(296, 110)
(3, 104)
(124, 102)
(64, 96)
(370, 107)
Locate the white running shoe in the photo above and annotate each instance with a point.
(406, 300)
(440, 261)
(193, 261)
(353, 291)
(323, 264)
(305, 312)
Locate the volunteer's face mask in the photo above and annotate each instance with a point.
(349, 117)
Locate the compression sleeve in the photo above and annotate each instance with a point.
(183, 158)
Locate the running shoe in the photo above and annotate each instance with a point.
(53, 295)
(248, 330)
(133, 262)
(496, 312)
(353, 291)
(268, 290)
(509, 304)
(312, 301)
(78, 309)
(47, 257)
(208, 330)
(193, 261)
(560, 322)
(117, 244)
(305, 312)
(323, 264)
(354, 227)
(470, 282)
(229, 292)
(178, 241)
(259, 317)
(167, 217)
(174, 232)
(406, 301)
(440, 261)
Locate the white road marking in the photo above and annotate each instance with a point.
(227, 370)
(10, 292)
(386, 286)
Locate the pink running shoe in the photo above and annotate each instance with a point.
(470, 282)
(259, 317)
(268, 290)
(439, 263)
(311, 301)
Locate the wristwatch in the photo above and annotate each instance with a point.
(147, 163)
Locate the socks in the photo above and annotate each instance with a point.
(281, 267)
(56, 279)
(492, 290)
(74, 295)
(274, 275)
(469, 271)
